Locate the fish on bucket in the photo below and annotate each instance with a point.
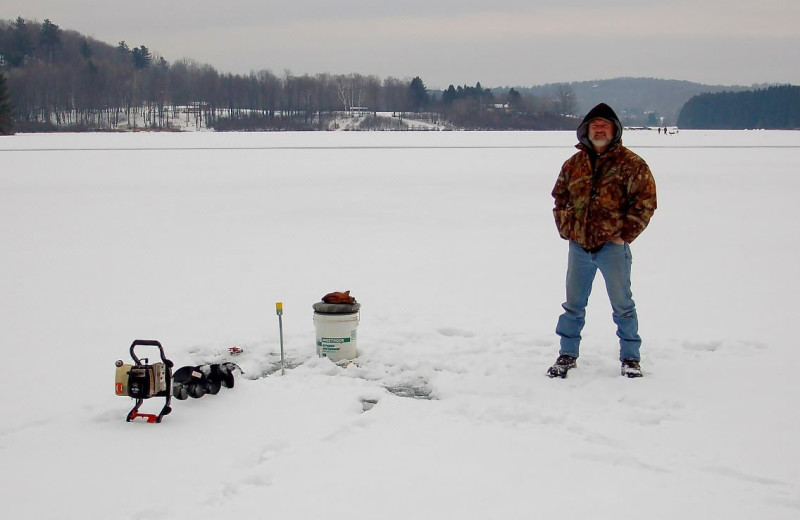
(336, 320)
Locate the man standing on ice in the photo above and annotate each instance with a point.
(604, 198)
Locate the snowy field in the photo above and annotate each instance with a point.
(447, 241)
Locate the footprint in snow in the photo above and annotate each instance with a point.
(452, 332)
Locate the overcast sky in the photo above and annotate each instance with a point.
(500, 43)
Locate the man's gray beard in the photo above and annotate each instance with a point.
(600, 143)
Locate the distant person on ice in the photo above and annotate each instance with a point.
(604, 198)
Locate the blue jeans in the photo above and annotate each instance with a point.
(614, 262)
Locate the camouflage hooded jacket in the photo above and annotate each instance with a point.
(599, 197)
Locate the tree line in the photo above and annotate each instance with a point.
(59, 79)
(6, 114)
(773, 108)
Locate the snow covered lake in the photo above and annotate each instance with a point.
(448, 242)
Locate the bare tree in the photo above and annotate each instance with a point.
(394, 95)
(351, 90)
(566, 101)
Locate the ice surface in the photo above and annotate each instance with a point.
(447, 241)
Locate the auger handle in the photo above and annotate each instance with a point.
(148, 343)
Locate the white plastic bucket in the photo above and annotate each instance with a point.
(336, 335)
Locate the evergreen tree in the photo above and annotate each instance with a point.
(22, 43)
(49, 38)
(449, 95)
(6, 116)
(141, 57)
(418, 94)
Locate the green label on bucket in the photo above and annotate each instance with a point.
(333, 340)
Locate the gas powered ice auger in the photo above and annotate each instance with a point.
(142, 381)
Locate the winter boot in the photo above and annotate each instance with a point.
(631, 368)
(562, 365)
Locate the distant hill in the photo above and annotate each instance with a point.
(638, 101)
